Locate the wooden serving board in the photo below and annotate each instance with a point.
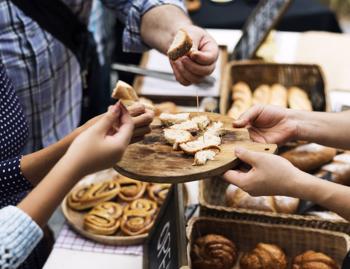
(154, 160)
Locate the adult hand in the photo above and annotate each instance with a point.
(103, 144)
(141, 117)
(270, 174)
(200, 62)
(268, 124)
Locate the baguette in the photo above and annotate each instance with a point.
(180, 46)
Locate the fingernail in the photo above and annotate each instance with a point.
(116, 108)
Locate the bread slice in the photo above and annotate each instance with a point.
(124, 91)
(205, 141)
(170, 119)
(180, 46)
(201, 121)
(176, 137)
(188, 125)
(216, 128)
(201, 157)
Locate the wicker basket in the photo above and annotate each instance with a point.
(212, 203)
(293, 240)
(254, 73)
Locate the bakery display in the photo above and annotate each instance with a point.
(180, 46)
(237, 198)
(213, 251)
(310, 157)
(314, 260)
(265, 256)
(243, 97)
(298, 99)
(88, 196)
(104, 218)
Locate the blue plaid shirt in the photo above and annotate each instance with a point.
(46, 74)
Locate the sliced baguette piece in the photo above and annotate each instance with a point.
(201, 121)
(188, 125)
(124, 91)
(180, 46)
(216, 128)
(201, 157)
(176, 137)
(203, 142)
(170, 119)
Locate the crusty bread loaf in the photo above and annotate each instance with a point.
(241, 98)
(298, 99)
(279, 95)
(237, 198)
(309, 157)
(261, 95)
(180, 46)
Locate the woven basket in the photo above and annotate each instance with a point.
(212, 203)
(254, 73)
(293, 240)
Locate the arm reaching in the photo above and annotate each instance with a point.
(273, 175)
(271, 124)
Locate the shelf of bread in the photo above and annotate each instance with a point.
(226, 244)
(219, 199)
(247, 83)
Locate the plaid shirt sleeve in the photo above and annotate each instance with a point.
(130, 12)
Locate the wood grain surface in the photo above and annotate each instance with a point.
(154, 160)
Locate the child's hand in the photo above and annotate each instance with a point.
(103, 144)
(270, 174)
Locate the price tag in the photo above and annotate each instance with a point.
(258, 26)
(166, 244)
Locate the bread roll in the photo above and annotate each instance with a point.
(241, 98)
(261, 95)
(180, 46)
(314, 260)
(279, 95)
(298, 99)
(309, 157)
(264, 256)
(237, 198)
(213, 251)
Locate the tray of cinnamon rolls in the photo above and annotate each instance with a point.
(113, 209)
(248, 83)
(234, 244)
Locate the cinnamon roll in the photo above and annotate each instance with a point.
(93, 194)
(104, 218)
(148, 206)
(158, 192)
(136, 222)
(131, 189)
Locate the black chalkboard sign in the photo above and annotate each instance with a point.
(165, 247)
(257, 27)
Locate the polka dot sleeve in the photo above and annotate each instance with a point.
(12, 181)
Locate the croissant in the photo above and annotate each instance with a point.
(314, 260)
(91, 195)
(104, 218)
(131, 189)
(264, 256)
(213, 251)
(136, 222)
(158, 192)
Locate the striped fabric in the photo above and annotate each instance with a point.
(19, 234)
(46, 74)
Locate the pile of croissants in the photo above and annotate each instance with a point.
(216, 251)
(120, 203)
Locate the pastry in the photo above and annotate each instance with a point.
(103, 219)
(261, 95)
(146, 205)
(314, 260)
(279, 95)
(241, 98)
(158, 192)
(264, 256)
(171, 119)
(213, 251)
(193, 5)
(205, 141)
(88, 196)
(309, 157)
(131, 189)
(180, 46)
(176, 137)
(166, 107)
(237, 198)
(298, 99)
(136, 222)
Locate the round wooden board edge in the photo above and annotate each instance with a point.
(103, 239)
